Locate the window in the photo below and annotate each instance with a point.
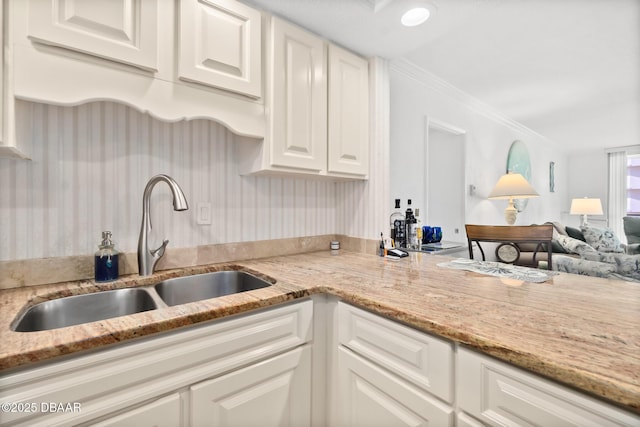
(633, 184)
(623, 197)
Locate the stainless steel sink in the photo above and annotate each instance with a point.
(182, 290)
(78, 309)
(85, 308)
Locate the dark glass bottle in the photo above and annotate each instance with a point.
(410, 224)
(106, 260)
(396, 222)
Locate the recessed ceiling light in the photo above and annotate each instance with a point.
(415, 16)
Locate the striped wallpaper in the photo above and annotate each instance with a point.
(91, 163)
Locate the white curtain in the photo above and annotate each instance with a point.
(617, 203)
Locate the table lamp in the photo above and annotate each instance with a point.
(512, 186)
(584, 207)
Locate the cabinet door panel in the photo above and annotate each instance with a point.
(417, 357)
(124, 31)
(220, 45)
(164, 412)
(370, 397)
(348, 112)
(275, 392)
(299, 99)
(499, 394)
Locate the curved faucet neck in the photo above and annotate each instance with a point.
(148, 258)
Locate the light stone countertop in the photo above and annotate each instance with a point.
(580, 331)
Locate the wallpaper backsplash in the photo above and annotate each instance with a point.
(90, 166)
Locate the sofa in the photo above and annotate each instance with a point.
(594, 251)
(527, 249)
(632, 231)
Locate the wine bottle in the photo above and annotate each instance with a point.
(397, 225)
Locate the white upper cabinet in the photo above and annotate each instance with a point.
(348, 112)
(317, 109)
(9, 147)
(123, 31)
(220, 45)
(298, 121)
(144, 53)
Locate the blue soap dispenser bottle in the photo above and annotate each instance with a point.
(106, 260)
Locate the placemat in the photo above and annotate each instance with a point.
(500, 269)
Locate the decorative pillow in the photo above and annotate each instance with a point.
(575, 246)
(602, 239)
(556, 247)
(575, 233)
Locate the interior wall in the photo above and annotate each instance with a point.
(415, 94)
(589, 179)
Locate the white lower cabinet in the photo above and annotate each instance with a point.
(164, 412)
(465, 420)
(371, 396)
(498, 394)
(240, 364)
(275, 392)
(318, 361)
(389, 374)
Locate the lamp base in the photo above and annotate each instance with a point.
(510, 213)
(584, 222)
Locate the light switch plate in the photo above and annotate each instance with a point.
(203, 213)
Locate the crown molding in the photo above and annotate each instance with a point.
(433, 82)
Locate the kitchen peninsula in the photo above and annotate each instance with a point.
(580, 332)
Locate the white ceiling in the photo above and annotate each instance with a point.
(567, 69)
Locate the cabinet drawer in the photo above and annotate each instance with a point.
(419, 358)
(111, 380)
(499, 394)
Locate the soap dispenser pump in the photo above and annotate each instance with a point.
(106, 260)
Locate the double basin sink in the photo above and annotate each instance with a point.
(79, 309)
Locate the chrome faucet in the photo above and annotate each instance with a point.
(147, 258)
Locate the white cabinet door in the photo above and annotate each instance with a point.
(498, 394)
(370, 396)
(220, 45)
(275, 392)
(421, 359)
(348, 142)
(298, 134)
(164, 412)
(123, 31)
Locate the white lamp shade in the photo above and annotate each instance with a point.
(512, 185)
(586, 206)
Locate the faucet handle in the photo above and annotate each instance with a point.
(158, 253)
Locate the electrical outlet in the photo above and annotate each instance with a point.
(203, 215)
